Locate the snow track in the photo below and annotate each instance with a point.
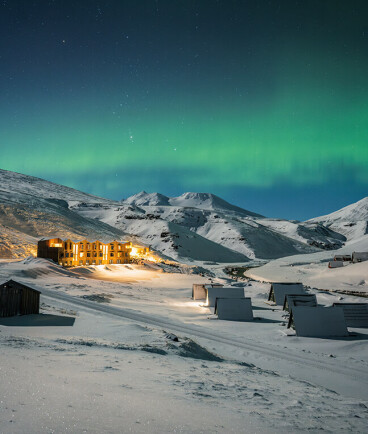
(305, 367)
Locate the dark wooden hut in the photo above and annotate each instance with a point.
(18, 299)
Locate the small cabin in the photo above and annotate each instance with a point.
(234, 309)
(199, 290)
(344, 258)
(359, 257)
(292, 300)
(318, 322)
(18, 299)
(278, 291)
(335, 264)
(356, 314)
(222, 292)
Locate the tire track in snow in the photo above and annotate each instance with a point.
(358, 374)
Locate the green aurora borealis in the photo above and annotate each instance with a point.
(263, 104)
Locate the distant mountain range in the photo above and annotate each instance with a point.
(192, 227)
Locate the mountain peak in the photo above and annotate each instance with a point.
(208, 201)
(354, 212)
(147, 199)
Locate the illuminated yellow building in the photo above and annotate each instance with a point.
(71, 253)
(139, 251)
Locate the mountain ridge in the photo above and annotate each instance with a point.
(190, 227)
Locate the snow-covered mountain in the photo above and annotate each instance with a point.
(205, 201)
(16, 183)
(191, 227)
(351, 221)
(32, 208)
(147, 199)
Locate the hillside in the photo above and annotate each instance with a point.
(351, 221)
(32, 208)
(191, 227)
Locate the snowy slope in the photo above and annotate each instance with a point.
(314, 233)
(209, 201)
(206, 201)
(147, 199)
(245, 237)
(152, 227)
(312, 270)
(16, 244)
(193, 226)
(31, 208)
(351, 221)
(12, 182)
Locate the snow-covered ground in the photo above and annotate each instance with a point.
(101, 358)
(312, 270)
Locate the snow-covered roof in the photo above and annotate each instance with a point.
(356, 314)
(223, 292)
(278, 291)
(335, 264)
(234, 309)
(292, 300)
(319, 321)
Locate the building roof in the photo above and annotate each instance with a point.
(319, 321)
(21, 284)
(88, 240)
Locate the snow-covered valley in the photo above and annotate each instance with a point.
(124, 348)
(104, 340)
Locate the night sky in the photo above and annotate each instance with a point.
(264, 103)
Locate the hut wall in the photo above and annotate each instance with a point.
(18, 299)
(30, 302)
(10, 301)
